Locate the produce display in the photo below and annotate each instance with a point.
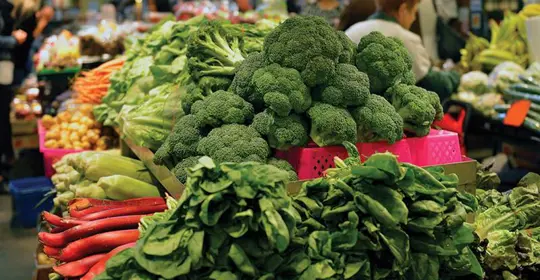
(105, 38)
(58, 52)
(379, 219)
(76, 129)
(92, 86)
(280, 98)
(508, 228)
(94, 230)
(100, 175)
(508, 43)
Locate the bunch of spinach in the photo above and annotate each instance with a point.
(509, 230)
(386, 220)
(234, 221)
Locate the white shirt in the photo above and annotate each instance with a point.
(413, 43)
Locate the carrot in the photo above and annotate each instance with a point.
(124, 211)
(63, 238)
(79, 267)
(100, 266)
(61, 222)
(79, 204)
(99, 243)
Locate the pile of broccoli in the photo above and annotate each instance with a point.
(307, 82)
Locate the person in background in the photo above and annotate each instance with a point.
(328, 9)
(162, 6)
(8, 41)
(356, 11)
(395, 18)
(32, 18)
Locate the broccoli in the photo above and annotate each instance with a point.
(222, 107)
(194, 91)
(181, 143)
(417, 106)
(234, 143)
(349, 87)
(279, 89)
(331, 125)
(211, 50)
(241, 83)
(281, 132)
(385, 60)
(377, 121)
(285, 166)
(308, 44)
(180, 169)
(349, 49)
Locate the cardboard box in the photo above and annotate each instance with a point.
(25, 142)
(23, 127)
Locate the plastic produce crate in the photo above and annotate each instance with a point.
(439, 147)
(26, 194)
(51, 156)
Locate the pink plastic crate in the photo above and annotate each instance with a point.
(439, 147)
(400, 149)
(51, 156)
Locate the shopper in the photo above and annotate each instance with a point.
(8, 41)
(31, 18)
(395, 18)
(356, 11)
(328, 9)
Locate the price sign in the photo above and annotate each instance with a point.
(517, 113)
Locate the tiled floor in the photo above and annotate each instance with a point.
(17, 246)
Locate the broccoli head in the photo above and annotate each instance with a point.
(180, 169)
(234, 143)
(281, 132)
(331, 125)
(349, 49)
(181, 143)
(417, 106)
(385, 60)
(377, 121)
(285, 166)
(308, 44)
(222, 107)
(211, 50)
(194, 91)
(349, 87)
(279, 89)
(241, 83)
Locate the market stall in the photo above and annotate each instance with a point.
(280, 150)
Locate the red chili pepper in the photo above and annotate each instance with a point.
(79, 204)
(124, 211)
(99, 243)
(79, 267)
(61, 222)
(88, 229)
(100, 266)
(52, 252)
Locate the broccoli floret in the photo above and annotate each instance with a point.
(385, 60)
(279, 89)
(349, 48)
(377, 121)
(181, 143)
(286, 166)
(211, 84)
(194, 91)
(417, 106)
(308, 44)
(331, 125)
(241, 83)
(222, 107)
(180, 169)
(234, 143)
(281, 132)
(349, 87)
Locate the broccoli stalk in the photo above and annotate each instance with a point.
(211, 41)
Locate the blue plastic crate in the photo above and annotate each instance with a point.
(26, 194)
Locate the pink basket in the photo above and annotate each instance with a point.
(439, 147)
(51, 156)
